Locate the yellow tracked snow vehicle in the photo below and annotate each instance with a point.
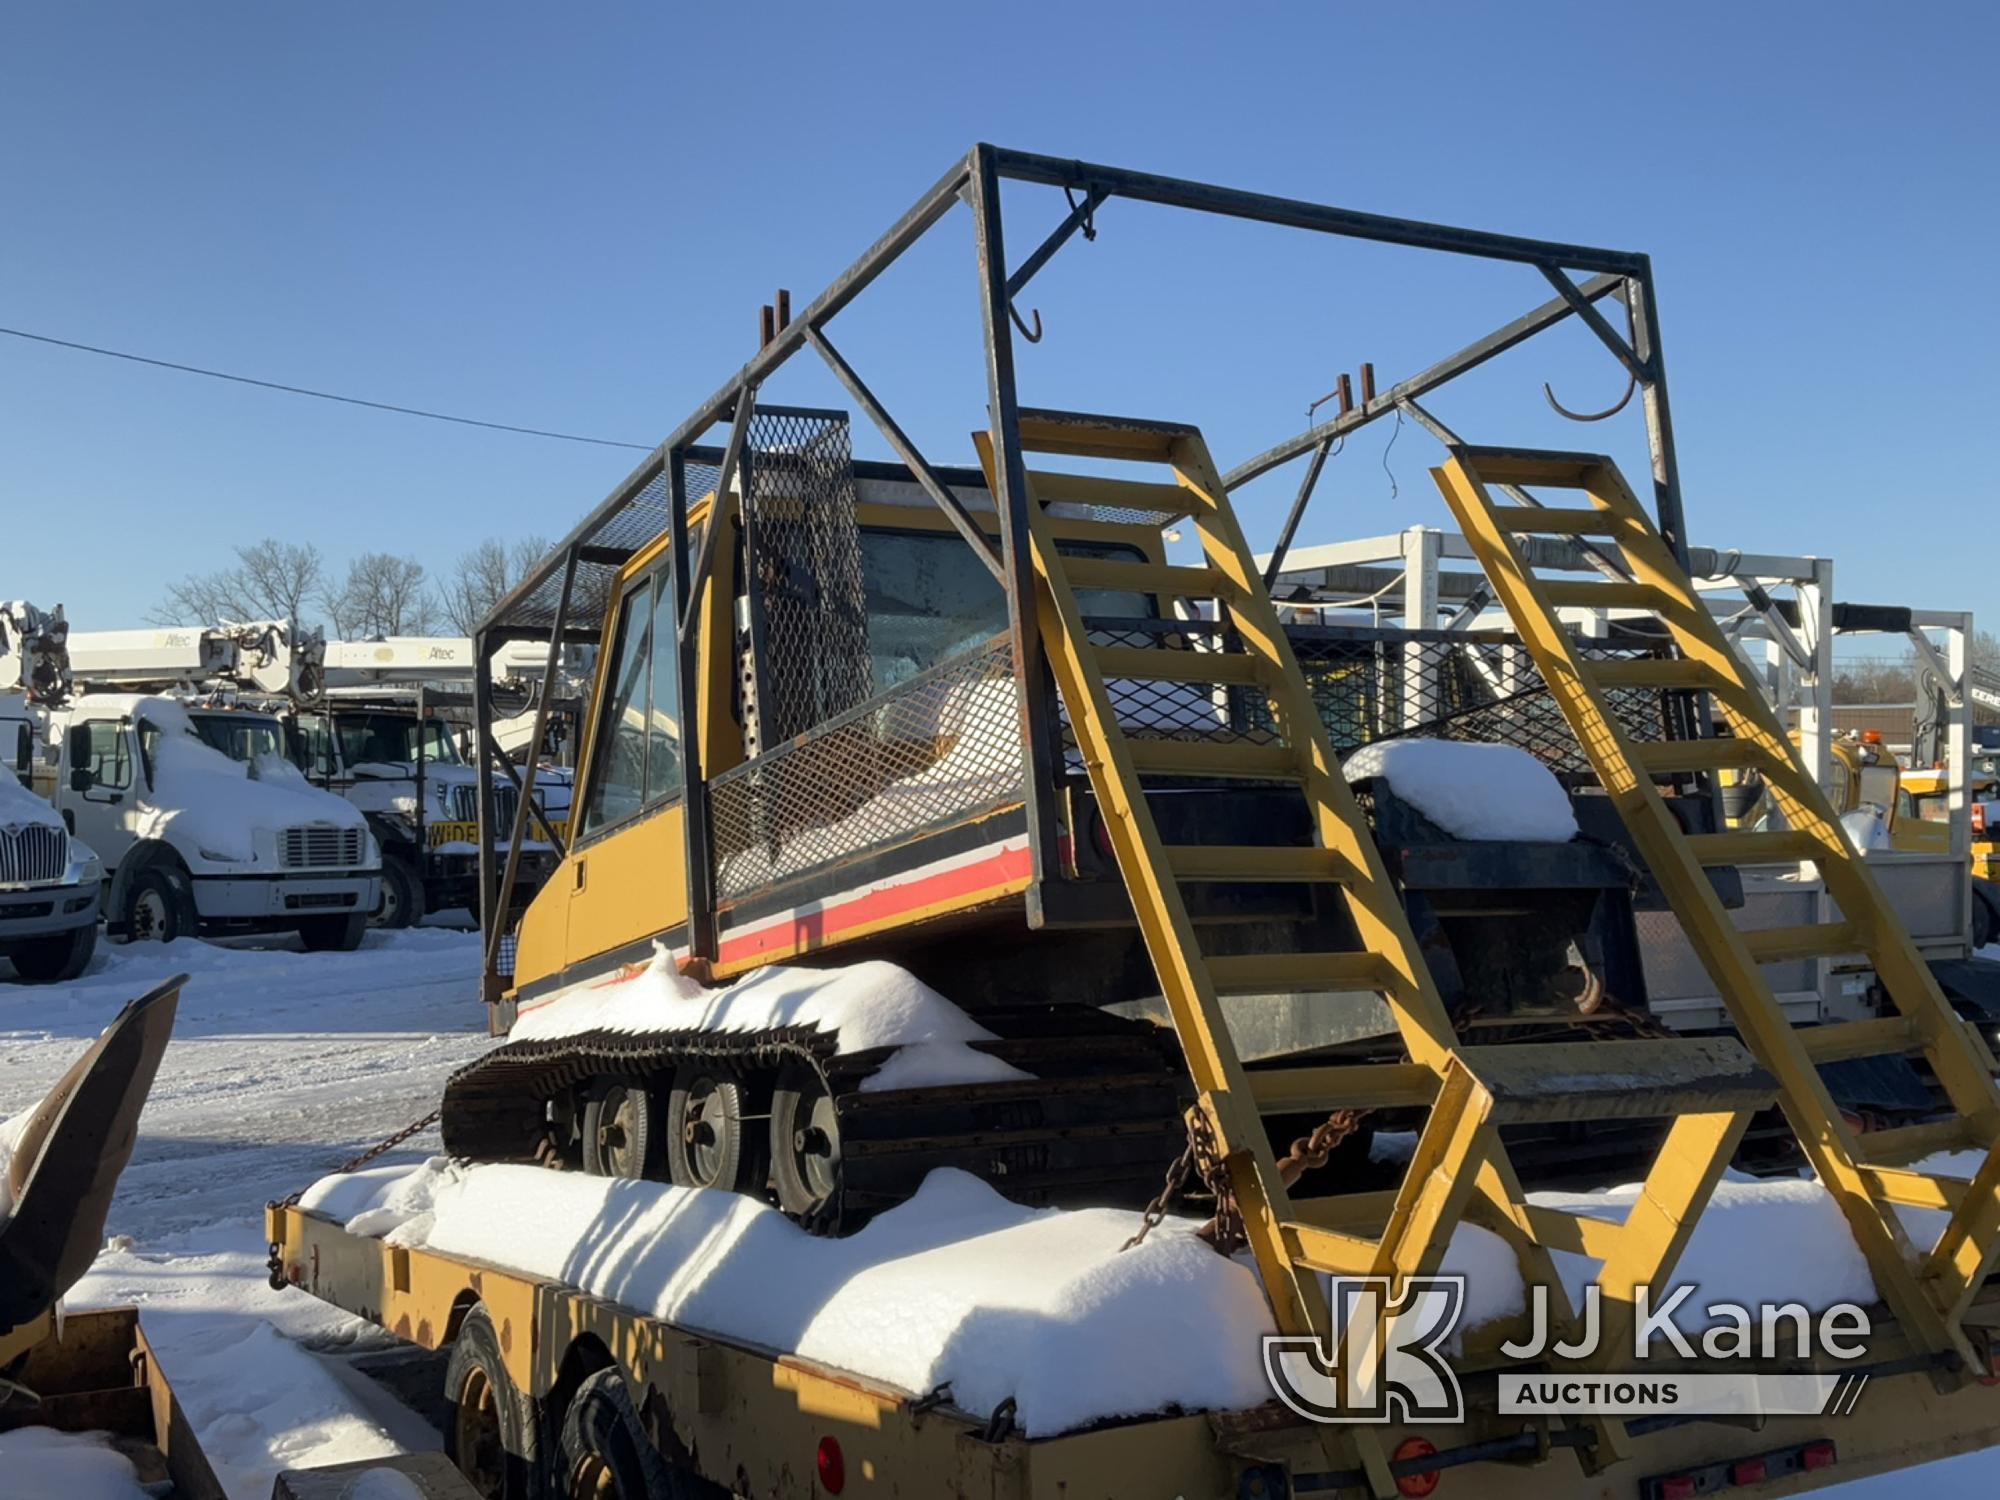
(979, 721)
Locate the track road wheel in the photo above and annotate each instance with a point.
(490, 1434)
(805, 1148)
(158, 906)
(605, 1454)
(708, 1142)
(621, 1130)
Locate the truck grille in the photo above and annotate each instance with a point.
(319, 848)
(33, 854)
(462, 806)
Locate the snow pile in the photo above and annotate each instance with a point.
(1472, 791)
(39, 1461)
(21, 808)
(864, 1005)
(956, 1286)
(959, 1285)
(204, 796)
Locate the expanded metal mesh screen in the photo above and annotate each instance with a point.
(808, 608)
(1370, 685)
(931, 751)
(640, 517)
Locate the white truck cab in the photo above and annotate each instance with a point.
(50, 881)
(407, 775)
(203, 823)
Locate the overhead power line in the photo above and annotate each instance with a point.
(299, 390)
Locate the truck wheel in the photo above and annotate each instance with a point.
(1985, 921)
(707, 1143)
(621, 1130)
(490, 1435)
(402, 897)
(58, 957)
(605, 1454)
(334, 934)
(158, 906)
(805, 1149)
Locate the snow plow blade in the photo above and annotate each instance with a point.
(67, 1160)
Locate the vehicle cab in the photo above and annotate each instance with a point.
(205, 825)
(50, 881)
(407, 776)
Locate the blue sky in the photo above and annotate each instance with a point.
(566, 217)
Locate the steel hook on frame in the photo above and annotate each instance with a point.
(1034, 337)
(1632, 384)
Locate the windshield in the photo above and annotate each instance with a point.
(390, 738)
(243, 737)
(930, 598)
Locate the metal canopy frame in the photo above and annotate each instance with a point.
(1089, 188)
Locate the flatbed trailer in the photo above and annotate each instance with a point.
(760, 1422)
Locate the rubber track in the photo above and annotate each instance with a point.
(1097, 1124)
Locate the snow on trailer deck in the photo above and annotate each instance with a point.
(286, 1062)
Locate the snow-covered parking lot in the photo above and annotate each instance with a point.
(283, 1064)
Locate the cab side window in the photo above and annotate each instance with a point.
(618, 763)
(110, 755)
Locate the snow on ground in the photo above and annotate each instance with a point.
(866, 1005)
(1471, 790)
(76, 1466)
(282, 1065)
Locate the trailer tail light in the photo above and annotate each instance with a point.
(1740, 1473)
(832, 1466)
(1979, 817)
(1423, 1482)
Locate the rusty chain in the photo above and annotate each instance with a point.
(276, 1263)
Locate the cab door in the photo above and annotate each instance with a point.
(102, 813)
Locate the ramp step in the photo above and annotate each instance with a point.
(1908, 1143)
(1651, 672)
(1143, 496)
(1844, 1040)
(1332, 1251)
(1621, 1080)
(1747, 847)
(1212, 758)
(1321, 1090)
(1267, 973)
(1082, 435)
(1257, 863)
(1663, 757)
(1550, 520)
(1164, 579)
(1771, 945)
(1149, 664)
(1603, 594)
(1536, 466)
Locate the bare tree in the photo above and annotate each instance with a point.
(382, 595)
(272, 580)
(484, 576)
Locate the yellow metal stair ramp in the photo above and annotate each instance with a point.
(1928, 1289)
(1460, 1169)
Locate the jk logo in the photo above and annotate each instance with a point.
(1382, 1362)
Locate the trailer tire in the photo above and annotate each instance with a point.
(340, 934)
(492, 1437)
(605, 1450)
(402, 896)
(157, 905)
(1985, 916)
